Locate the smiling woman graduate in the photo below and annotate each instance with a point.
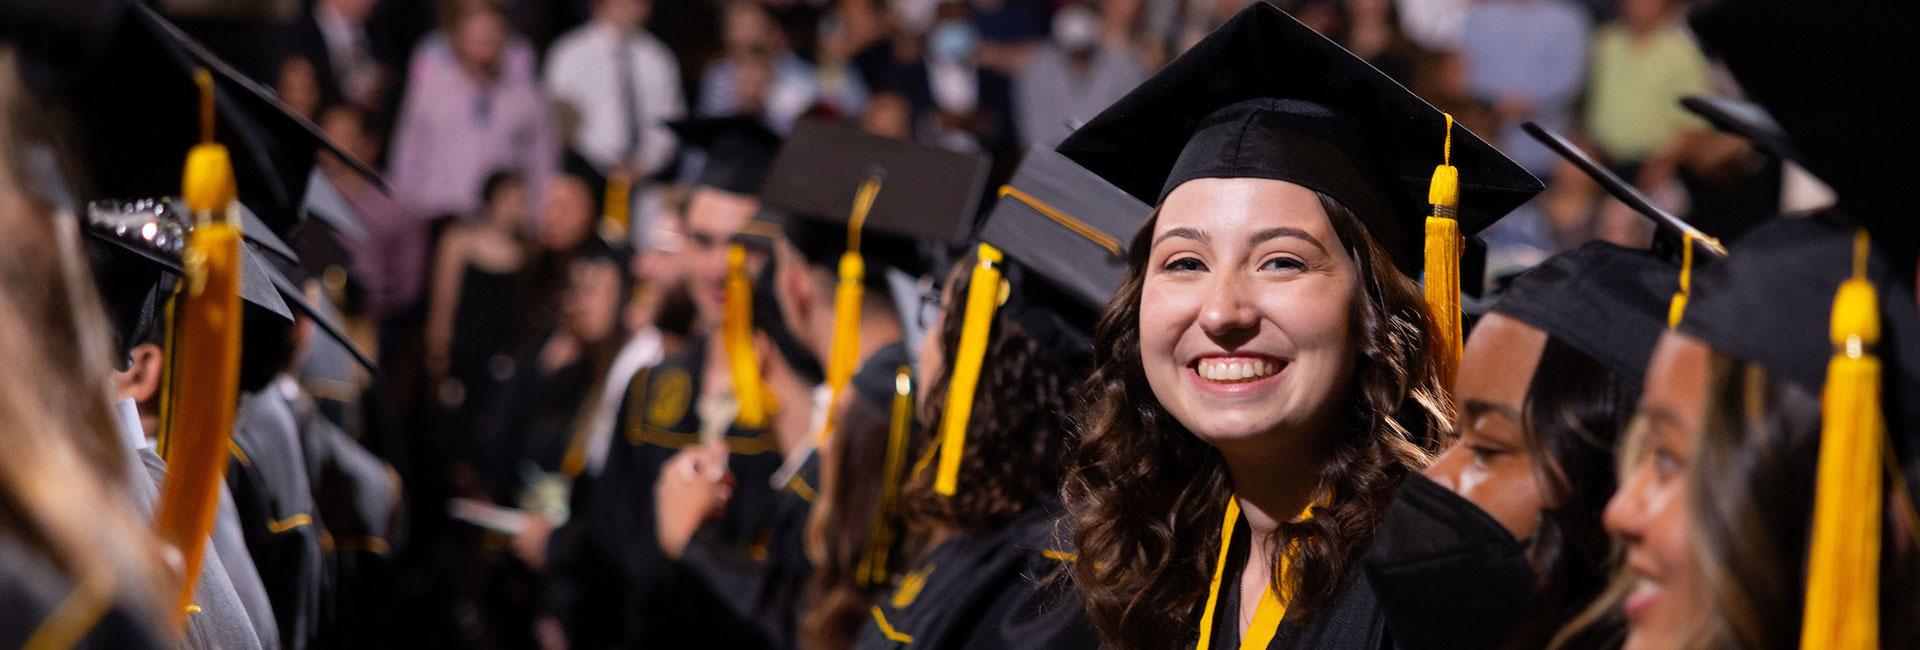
(1268, 372)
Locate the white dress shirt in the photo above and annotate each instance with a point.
(582, 71)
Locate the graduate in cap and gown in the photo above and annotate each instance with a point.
(1269, 372)
(998, 377)
(861, 214)
(1499, 543)
(1766, 500)
(612, 512)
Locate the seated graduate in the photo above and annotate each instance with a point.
(1766, 497)
(997, 385)
(1546, 388)
(1268, 373)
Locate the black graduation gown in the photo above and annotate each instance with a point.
(611, 585)
(274, 497)
(1446, 573)
(996, 589)
(358, 496)
(1351, 620)
(763, 581)
(31, 589)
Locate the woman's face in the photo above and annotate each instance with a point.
(592, 300)
(1246, 312)
(1652, 512)
(1491, 463)
(479, 38)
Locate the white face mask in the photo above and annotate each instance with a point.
(1076, 28)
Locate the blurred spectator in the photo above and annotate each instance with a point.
(1527, 58)
(1434, 24)
(1075, 78)
(842, 89)
(466, 116)
(1010, 31)
(888, 114)
(299, 87)
(1642, 65)
(623, 84)
(1172, 26)
(1371, 30)
(957, 104)
(757, 74)
(391, 263)
(333, 38)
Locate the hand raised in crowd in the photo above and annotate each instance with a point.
(693, 487)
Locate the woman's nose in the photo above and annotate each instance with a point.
(1227, 310)
(1625, 511)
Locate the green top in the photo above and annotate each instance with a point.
(1633, 107)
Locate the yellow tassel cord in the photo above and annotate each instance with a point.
(1843, 558)
(985, 293)
(873, 560)
(1677, 308)
(1442, 281)
(208, 357)
(736, 333)
(844, 357)
(617, 215)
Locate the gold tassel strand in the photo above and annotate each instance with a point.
(1442, 277)
(1843, 557)
(207, 357)
(844, 357)
(736, 333)
(872, 569)
(1677, 308)
(985, 292)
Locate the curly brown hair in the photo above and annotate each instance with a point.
(1017, 437)
(1145, 496)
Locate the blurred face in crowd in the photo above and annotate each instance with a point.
(298, 86)
(624, 14)
(747, 27)
(1652, 511)
(355, 11)
(567, 218)
(479, 37)
(343, 125)
(1246, 313)
(1643, 13)
(713, 216)
(592, 303)
(507, 207)
(1491, 464)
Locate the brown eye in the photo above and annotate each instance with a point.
(1185, 264)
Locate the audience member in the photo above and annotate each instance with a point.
(1075, 77)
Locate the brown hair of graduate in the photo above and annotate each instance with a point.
(1752, 480)
(840, 522)
(63, 478)
(1145, 496)
(1017, 437)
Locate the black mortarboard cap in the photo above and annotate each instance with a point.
(1841, 84)
(877, 381)
(1747, 120)
(1266, 97)
(282, 274)
(926, 193)
(156, 231)
(326, 205)
(1771, 302)
(735, 151)
(1606, 301)
(1668, 229)
(1066, 226)
(136, 113)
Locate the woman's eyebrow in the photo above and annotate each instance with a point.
(1184, 233)
(1476, 407)
(1286, 231)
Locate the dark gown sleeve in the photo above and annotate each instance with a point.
(766, 592)
(1041, 610)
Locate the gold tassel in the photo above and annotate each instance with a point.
(1442, 277)
(207, 356)
(844, 357)
(872, 569)
(985, 293)
(1677, 308)
(617, 216)
(736, 333)
(1843, 558)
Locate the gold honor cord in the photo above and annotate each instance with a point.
(873, 561)
(1272, 608)
(1843, 556)
(1065, 220)
(986, 291)
(844, 357)
(207, 356)
(1442, 277)
(1677, 308)
(736, 334)
(617, 214)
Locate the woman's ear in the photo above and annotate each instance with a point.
(141, 381)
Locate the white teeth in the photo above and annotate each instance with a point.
(1237, 370)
